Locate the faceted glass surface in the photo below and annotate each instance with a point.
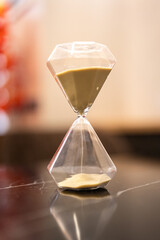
(80, 69)
(81, 154)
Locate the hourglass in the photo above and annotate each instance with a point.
(81, 161)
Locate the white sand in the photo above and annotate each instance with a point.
(83, 180)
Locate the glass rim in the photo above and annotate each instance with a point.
(80, 47)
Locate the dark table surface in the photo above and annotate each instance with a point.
(32, 208)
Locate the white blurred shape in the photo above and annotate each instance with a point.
(4, 122)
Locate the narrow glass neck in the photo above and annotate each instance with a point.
(82, 115)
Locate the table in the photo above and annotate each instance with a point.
(31, 207)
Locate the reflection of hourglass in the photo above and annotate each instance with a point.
(83, 214)
(80, 69)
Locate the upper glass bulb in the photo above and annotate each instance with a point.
(80, 69)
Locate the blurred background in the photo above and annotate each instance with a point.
(34, 115)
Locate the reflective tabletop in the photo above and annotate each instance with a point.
(32, 207)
